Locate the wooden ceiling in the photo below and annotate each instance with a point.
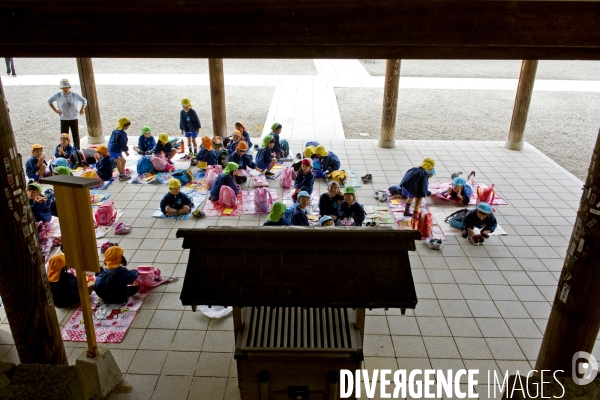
(418, 29)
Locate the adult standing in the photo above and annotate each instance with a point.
(10, 66)
(67, 109)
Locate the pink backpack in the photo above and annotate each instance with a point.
(147, 275)
(106, 214)
(286, 178)
(262, 200)
(212, 171)
(227, 196)
(159, 163)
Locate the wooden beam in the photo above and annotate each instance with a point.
(390, 104)
(521, 107)
(88, 90)
(23, 282)
(217, 96)
(575, 318)
(391, 29)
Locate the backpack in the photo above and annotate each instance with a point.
(145, 165)
(486, 195)
(227, 196)
(159, 163)
(422, 221)
(456, 218)
(78, 159)
(89, 155)
(106, 214)
(286, 178)
(183, 176)
(262, 200)
(317, 169)
(212, 171)
(285, 147)
(339, 176)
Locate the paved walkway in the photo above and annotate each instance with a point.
(479, 307)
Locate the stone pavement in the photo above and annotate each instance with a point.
(480, 307)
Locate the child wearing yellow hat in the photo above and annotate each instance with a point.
(190, 125)
(175, 202)
(117, 144)
(104, 163)
(414, 185)
(208, 154)
(63, 284)
(329, 161)
(35, 166)
(163, 146)
(146, 142)
(64, 149)
(112, 283)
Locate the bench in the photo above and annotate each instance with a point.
(299, 297)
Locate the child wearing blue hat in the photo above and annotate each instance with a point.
(414, 185)
(461, 189)
(299, 217)
(481, 218)
(326, 221)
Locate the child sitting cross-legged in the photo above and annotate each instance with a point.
(276, 217)
(175, 202)
(461, 189)
(146, 142)
(63, 284)
(351, 208)
(299, 217)
(35, 167)
(305, 179)
(112, 283)
(241, 157)
(105, 165)
(482, 218)
(40, 204)
(414, 185)
(164, 147)
(224, 178)
(208, 153)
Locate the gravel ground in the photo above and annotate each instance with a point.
(506, 69)
(563, 125)
(51, 66)
(33, 121)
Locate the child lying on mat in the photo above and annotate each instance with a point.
(241, 157)
(461, 189)
(481, 218)
(63, 284)
(112, 283)
(414, 185)
(105, 165)
(146, 142)
(175, 202)
(305, 179)
(350, 208)
(225, 178)
(276, 217)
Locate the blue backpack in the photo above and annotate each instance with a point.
(288, 212)
(285, 146)
(145, 165)
(183, 176)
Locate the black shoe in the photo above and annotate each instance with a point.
(269, 173)
(485, 235)
(299, 156)
(465, 234)
(407, 213)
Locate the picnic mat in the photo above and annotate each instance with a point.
(440, 214)
(102, 230)
(97, 197)
(216, 209)
(379, 214)
(248, 205)
(278, 169)
(438, 188)
(196, 197)
(46, 234)
(314, 199)
(397, 210)
(260, 181)
(351, 179)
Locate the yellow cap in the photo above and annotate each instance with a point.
(428, 164)
(65, 135)
(320, 150)
(122, 122)
(186, 102)
(310, 151)
(113, 256)
(163, 137)
(36, 146)
(102, 149)
(174, 183)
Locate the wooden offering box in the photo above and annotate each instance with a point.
(299, 297)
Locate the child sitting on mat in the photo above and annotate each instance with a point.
(264, 159)
(326, 221)
(164, 147)
(350, 208)
(276, 217)
(330, 201)
(146, 142)
(299, 217)
(104, 163)
(112, 283)
(461, 189)
(64, 148)
(224, 178)
(414, 185)
(35, 167)
(236, 138)
(244, 160)
(242, 128)
(482, 218)
(207, 154)
(175, 202)
(63, 284)
(305, 179)
(40, 204)
(329, 161)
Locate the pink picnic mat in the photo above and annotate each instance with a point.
(438, 188)
(215, 209)
(397, 210)
(314, 198)
(248, 201)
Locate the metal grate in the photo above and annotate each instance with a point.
(299, 328)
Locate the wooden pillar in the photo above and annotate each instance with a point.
(217, 96)
(23, 282)
(521, 108)
(88, 90)
(575, 317)
(390, 104)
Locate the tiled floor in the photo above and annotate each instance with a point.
(479, 307)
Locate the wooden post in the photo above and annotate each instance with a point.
(521, 108)
(217, 96)
(23, 281)
(79, 240)
(575, 317)
(88, 90)
(390, 104)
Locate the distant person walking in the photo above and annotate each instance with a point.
(10, 66)
(67, 109)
